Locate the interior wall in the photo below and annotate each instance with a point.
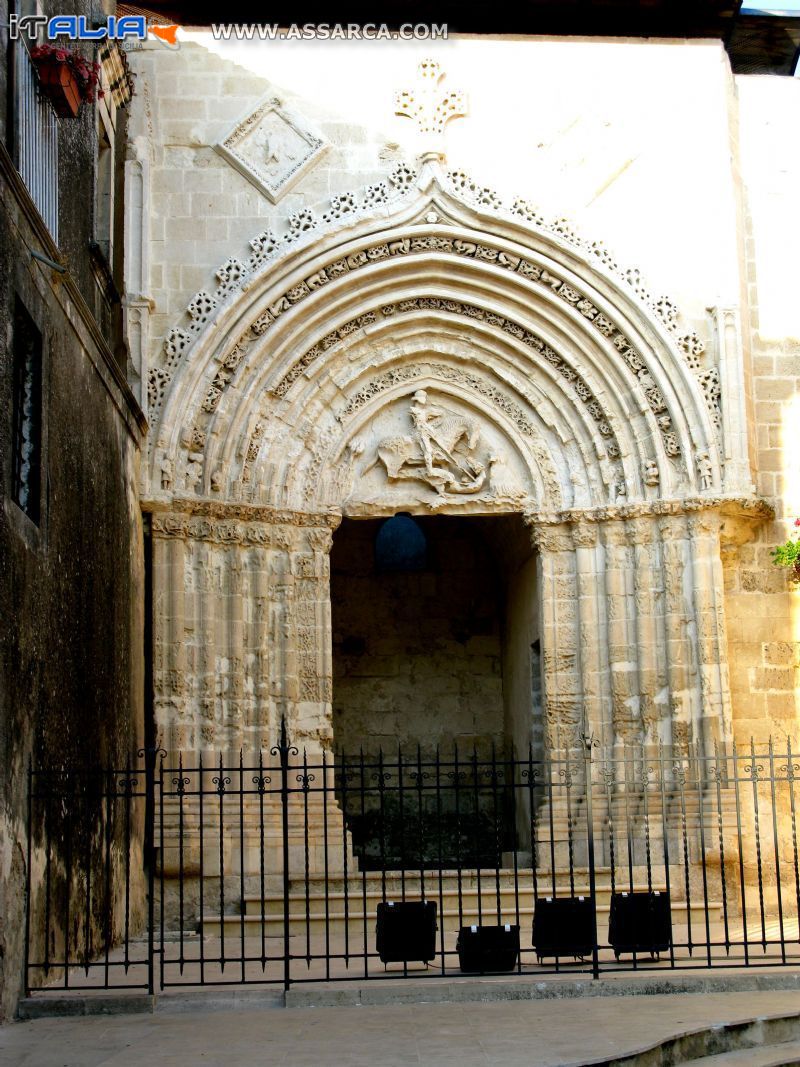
(418, 656)
(522, 686)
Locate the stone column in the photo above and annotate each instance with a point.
(232, 647)
(281, 665)
(681, 659)
(650, 629)
(257, 654)
(169, 651)
(712, 646)
(561, 668)
(592, 628)
(622, 636)
(207, 593)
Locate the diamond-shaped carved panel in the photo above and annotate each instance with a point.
(272, 148)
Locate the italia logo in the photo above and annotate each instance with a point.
(128, 28)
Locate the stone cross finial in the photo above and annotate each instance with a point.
(429, 105)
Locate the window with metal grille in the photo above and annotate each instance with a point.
(27, 414)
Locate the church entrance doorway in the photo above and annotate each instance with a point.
(435, 634)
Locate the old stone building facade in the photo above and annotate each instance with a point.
(331, 321)
(71, 433)
(448, 405)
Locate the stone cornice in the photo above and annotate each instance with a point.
(749, 508)
(219, 521)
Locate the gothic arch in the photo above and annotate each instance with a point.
(268, 420)
(580, 357)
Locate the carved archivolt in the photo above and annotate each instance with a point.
(267, 246)
(474, 381)
(631, 358)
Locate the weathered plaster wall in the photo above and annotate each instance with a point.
(763, 607)
(417, 656)
(71, 589)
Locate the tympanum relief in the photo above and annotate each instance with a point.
(432, 451)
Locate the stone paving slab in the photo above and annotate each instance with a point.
(553, 1033)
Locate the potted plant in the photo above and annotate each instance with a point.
(66, 78)
(788, 555)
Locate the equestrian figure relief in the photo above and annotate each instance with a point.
(440, 451)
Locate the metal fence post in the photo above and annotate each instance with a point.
(29, 851)
(150, 755)
(283, 750)
(590, 742)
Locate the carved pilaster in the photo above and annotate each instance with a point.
(136, 305)
(712, 645)
(561, 669)
(169, 673)
(620, 606)
(592, 625)
(684, 695)
(734, 388)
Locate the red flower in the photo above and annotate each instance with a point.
(797, 522)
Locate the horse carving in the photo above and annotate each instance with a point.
(438, 453)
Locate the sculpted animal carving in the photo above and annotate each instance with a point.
(439, 452)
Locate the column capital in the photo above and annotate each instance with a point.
(551, 538)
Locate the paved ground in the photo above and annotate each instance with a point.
(534, 1034)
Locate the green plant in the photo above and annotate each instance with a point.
(788, 555)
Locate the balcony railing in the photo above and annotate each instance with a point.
(37, 141)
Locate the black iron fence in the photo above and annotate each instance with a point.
(301, 867)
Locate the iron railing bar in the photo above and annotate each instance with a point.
(721, 837)
(776, 847)
(700, 778)
(665, 842)
(740, 850)
(242, 884)
(755, 770)
(791, 767)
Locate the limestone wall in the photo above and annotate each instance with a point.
(763, 606)
(285, 324)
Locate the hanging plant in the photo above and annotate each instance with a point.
(788, 555)
(67, 78)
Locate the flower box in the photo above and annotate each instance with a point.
(59, 84)
(66, 78)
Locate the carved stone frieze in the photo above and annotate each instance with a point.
(732, 509)
(239, 523)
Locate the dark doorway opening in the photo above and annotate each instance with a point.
(434, 619)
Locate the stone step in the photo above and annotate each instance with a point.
(784, 1054)
(524, 896)
(451, 919)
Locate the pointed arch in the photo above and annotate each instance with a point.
(568, 352)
